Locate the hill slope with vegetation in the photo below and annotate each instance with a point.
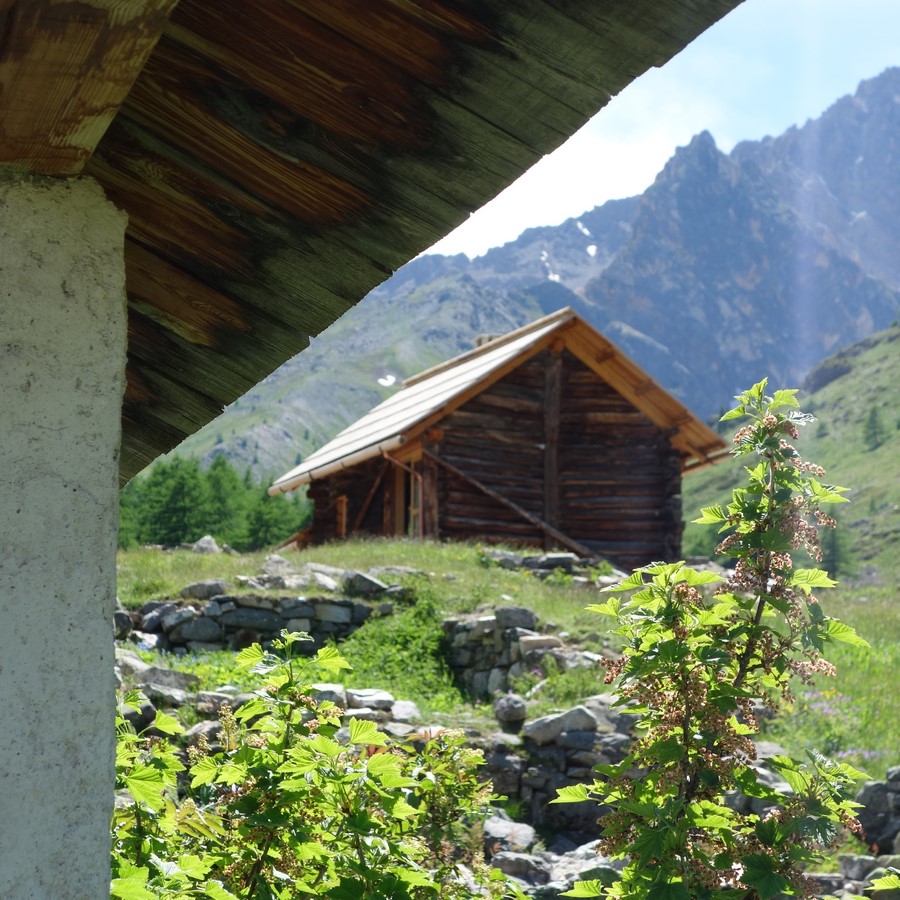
(856, 437)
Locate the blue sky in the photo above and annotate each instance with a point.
(766, 66)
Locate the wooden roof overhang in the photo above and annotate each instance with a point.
(429, 397)
(279, 158)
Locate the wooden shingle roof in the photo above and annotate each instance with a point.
(279, 158)
(428, 397)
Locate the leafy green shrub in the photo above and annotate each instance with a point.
(697, 665)
(404, 652)
(285, 810)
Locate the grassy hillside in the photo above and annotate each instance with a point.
(842, 393)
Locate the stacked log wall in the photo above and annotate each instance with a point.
(354, 483)
(620, 478)
(497, 439)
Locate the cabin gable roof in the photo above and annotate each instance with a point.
(427, 398)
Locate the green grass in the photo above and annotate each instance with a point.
(855, 716)
(144, 575)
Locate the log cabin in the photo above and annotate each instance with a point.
(548, 436)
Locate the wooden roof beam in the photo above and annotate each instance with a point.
(66, 66)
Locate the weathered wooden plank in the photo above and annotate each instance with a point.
(65, 68)
(552, 402)
(370, 496)
(534, 520)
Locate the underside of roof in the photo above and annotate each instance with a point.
(280, 158)
(427, 398)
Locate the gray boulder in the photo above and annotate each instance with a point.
(204, 590)
(358, 584)
(548, 728)
(501, 833)
(207, 545)
(201, 629)
(510, 711)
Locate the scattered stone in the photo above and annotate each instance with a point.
(510, 711)
(529, 869)
(176, 616)
(336, 611)
(151, 621)
(129, 663)
(203, 629)
(204, 590)
(334, 693)
(405, 711)
(515, 617)
(277, 565)
(160, 676)
(358, 698)
(358, 584)
(552, 561)
(122, 623)
(325, 582)
(163, 695)
(548, 728)
(209, 729)
(207, 544)
(255, 619)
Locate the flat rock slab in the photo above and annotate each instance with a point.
(548, 728)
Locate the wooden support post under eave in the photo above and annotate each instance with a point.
(66, 66)
(430, 519)
(552, 390)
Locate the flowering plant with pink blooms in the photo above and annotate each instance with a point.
(703, 656)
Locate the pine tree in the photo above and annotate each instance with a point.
(228, 502)
(873, 429)
(176, 503)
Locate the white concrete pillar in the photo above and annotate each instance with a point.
(62, 361)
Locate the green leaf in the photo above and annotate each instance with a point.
(399, 808)
(415, 877)
(610, 608)
(382, 764)
(827, 493)
(330, 660)
(204, 772)
(709, 515)
(735, 413)
(365, 732)
(838, 631)
(785, 398)
(133, 888)
(146, 785)
(573, 793)
(759, 873)
(649, 844)
(888, 881)
(695, 578)
(633, 581)
(194, 866)
(806, 579)
(249, 657)
(585, 889)
(216, 891)
(232, 773)
(255, 707)
(167, 724)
